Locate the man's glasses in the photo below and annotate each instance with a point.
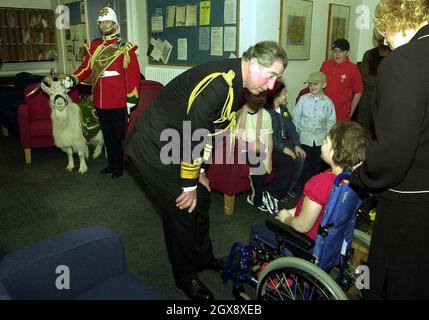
(269, 75)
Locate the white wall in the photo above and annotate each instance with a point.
(366, 40)
(137, 28)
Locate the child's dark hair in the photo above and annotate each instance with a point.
(274, 93)
(349, 141)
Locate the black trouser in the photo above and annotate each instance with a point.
(112, 124)
(313, 163)
(283, 166)
(186, 234)
(399, 253)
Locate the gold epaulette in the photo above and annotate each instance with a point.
(226, 114)
(190, 170)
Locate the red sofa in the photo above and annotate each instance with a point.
(229, 174)
(34, 118)
(148, 91)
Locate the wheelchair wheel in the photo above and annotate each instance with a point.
(362, 236)
(351, 274)
(291, 278)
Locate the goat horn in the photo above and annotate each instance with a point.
(48, 80)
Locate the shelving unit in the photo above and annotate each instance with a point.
(27, 35)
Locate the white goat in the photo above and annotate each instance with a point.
(67, 127)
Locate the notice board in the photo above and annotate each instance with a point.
(190, 33)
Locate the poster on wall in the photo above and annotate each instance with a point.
(295, 29)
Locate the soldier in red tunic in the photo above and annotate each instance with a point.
(112, 68)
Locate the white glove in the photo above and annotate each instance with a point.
(67, 82)
(130, 106)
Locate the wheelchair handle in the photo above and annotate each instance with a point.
(342, 176)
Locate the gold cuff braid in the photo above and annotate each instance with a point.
(190, 170)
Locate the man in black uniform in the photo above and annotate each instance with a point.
(200, 97)
(397, 162)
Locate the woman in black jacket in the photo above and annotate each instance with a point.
(397, 163)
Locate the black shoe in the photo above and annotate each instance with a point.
(106, 170)
(196, 290)
(117, 173)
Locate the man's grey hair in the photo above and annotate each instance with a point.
(267, 52)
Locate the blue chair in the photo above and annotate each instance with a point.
(289, 265)
(87, 264)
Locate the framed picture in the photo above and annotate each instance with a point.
(338, 25)
(70, 55)
(295, 28)
(80, 54)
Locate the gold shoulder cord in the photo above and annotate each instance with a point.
(227, 114)
(192, 170)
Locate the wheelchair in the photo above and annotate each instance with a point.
(294, 267)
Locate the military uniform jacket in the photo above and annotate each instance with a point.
(169, 111)
(119, 83)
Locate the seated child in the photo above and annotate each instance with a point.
(313, 115)
(343, 150)
(255, 140)
(286, 142)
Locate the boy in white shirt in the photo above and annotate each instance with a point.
(313, 116)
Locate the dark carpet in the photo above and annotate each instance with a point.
(42, 199)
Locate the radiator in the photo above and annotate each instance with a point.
(162, 74)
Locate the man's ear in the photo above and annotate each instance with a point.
(253, 65)
(324, 85)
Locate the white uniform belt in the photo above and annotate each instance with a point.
(108, 73)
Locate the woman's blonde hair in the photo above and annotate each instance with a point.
(400, 15)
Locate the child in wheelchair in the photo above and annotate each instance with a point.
(343, 150)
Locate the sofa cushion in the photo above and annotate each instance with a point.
(41, 128)
(4, 295)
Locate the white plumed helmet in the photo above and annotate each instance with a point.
(108, 14)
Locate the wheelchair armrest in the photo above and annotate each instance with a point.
(290, 234)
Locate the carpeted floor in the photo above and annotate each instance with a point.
(40, 200)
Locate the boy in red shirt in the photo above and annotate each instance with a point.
(344, 82)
